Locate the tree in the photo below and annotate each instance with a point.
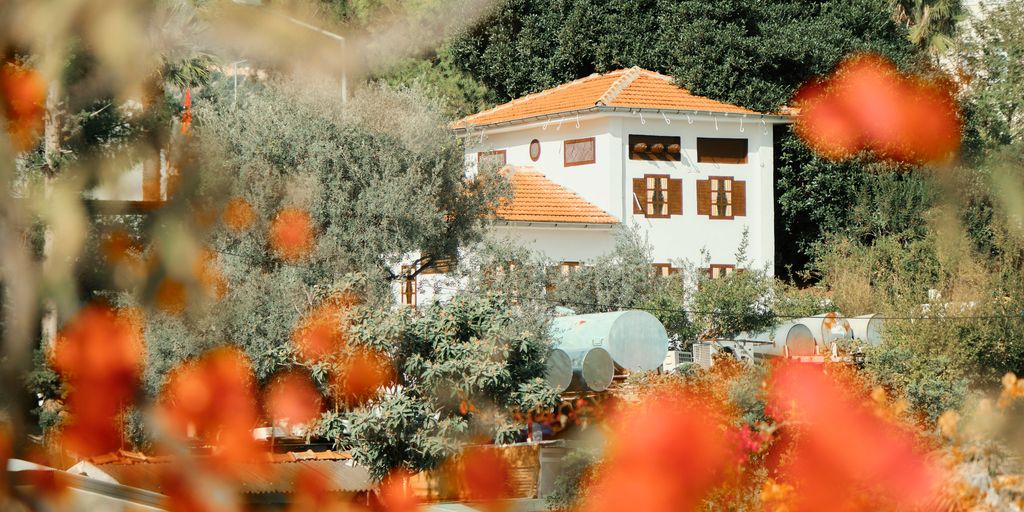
(753, 54)
(991, 58)
(463, 366)
(932, 23)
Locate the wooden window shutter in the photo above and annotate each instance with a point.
(675, 197)
(739, 198)
(639, 195)
(703, 197)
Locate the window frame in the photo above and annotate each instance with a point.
(713, 160)
(565, 151)
(480, 155)
(408, 292)
(530, 150)
(665, 269)
(648, 205)
(721, 180)
(647, 156)
(725, 269)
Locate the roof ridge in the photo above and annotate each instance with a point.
(618, 85)
(535, 95)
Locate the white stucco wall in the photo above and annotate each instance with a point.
(608, 182)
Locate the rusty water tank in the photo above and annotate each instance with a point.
(794, 338)
(828, 328)
(635, 340)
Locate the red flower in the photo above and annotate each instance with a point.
(291, 234)
(23, 99)
(868, 104)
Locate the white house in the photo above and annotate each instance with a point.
(630, 148)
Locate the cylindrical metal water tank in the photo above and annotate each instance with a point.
(868, 328)
(592, 369)
(636, 340)
(828, 328)
(558, 373)
(794, 336)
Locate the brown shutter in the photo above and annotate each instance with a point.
(739, 198)
(639, 195)
(703, 197)
(675, 197)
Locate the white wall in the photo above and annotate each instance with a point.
(559, 244)
(590, 181)
(608, 182)
(683, 236)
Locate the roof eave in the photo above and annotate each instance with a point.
(774, 118)
(556, 224)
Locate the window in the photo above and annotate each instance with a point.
(568, 266)
(653, 147)
(665, 269)
(408, 286)
(720, 270)
(657, 196)
(534, 150)
(438, 265)
(579, 152)
(721, 151)
(493, 159)
(721, 197)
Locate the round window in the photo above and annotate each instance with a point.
(534, 150)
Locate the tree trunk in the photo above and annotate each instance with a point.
(51, 153)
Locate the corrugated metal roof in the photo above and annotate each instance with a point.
(276, 477)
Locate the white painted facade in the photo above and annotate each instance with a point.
(607, 183)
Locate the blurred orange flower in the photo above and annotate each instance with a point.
(362, 374)
(867, 104)
(238, 215)
(321, 332)
(291, 234)
(665, 454)
(214, 398)
(23, 95)
(118, 246)
(99, 355)
(487, 476)
(171, 296)
(396, 495)
(843, 456)
(292, 396)
(208, 274)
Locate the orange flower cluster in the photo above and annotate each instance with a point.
(322, 332)
(208, 274)
(840, 454)
(23, 98)
(362, 374)
(213, 397)
(171, 296)
(487, 476)
(99, 355)
(1013, 388)
(291, 396)
(665, 454)
(867, 104)
(238, 215)
(291, 234)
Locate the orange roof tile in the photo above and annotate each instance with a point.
(629, 88)
(538, 199)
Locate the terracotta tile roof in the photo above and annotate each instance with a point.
(538, 199)
(631, 88)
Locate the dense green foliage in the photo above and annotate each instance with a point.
(462, 366)
(754, 54)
